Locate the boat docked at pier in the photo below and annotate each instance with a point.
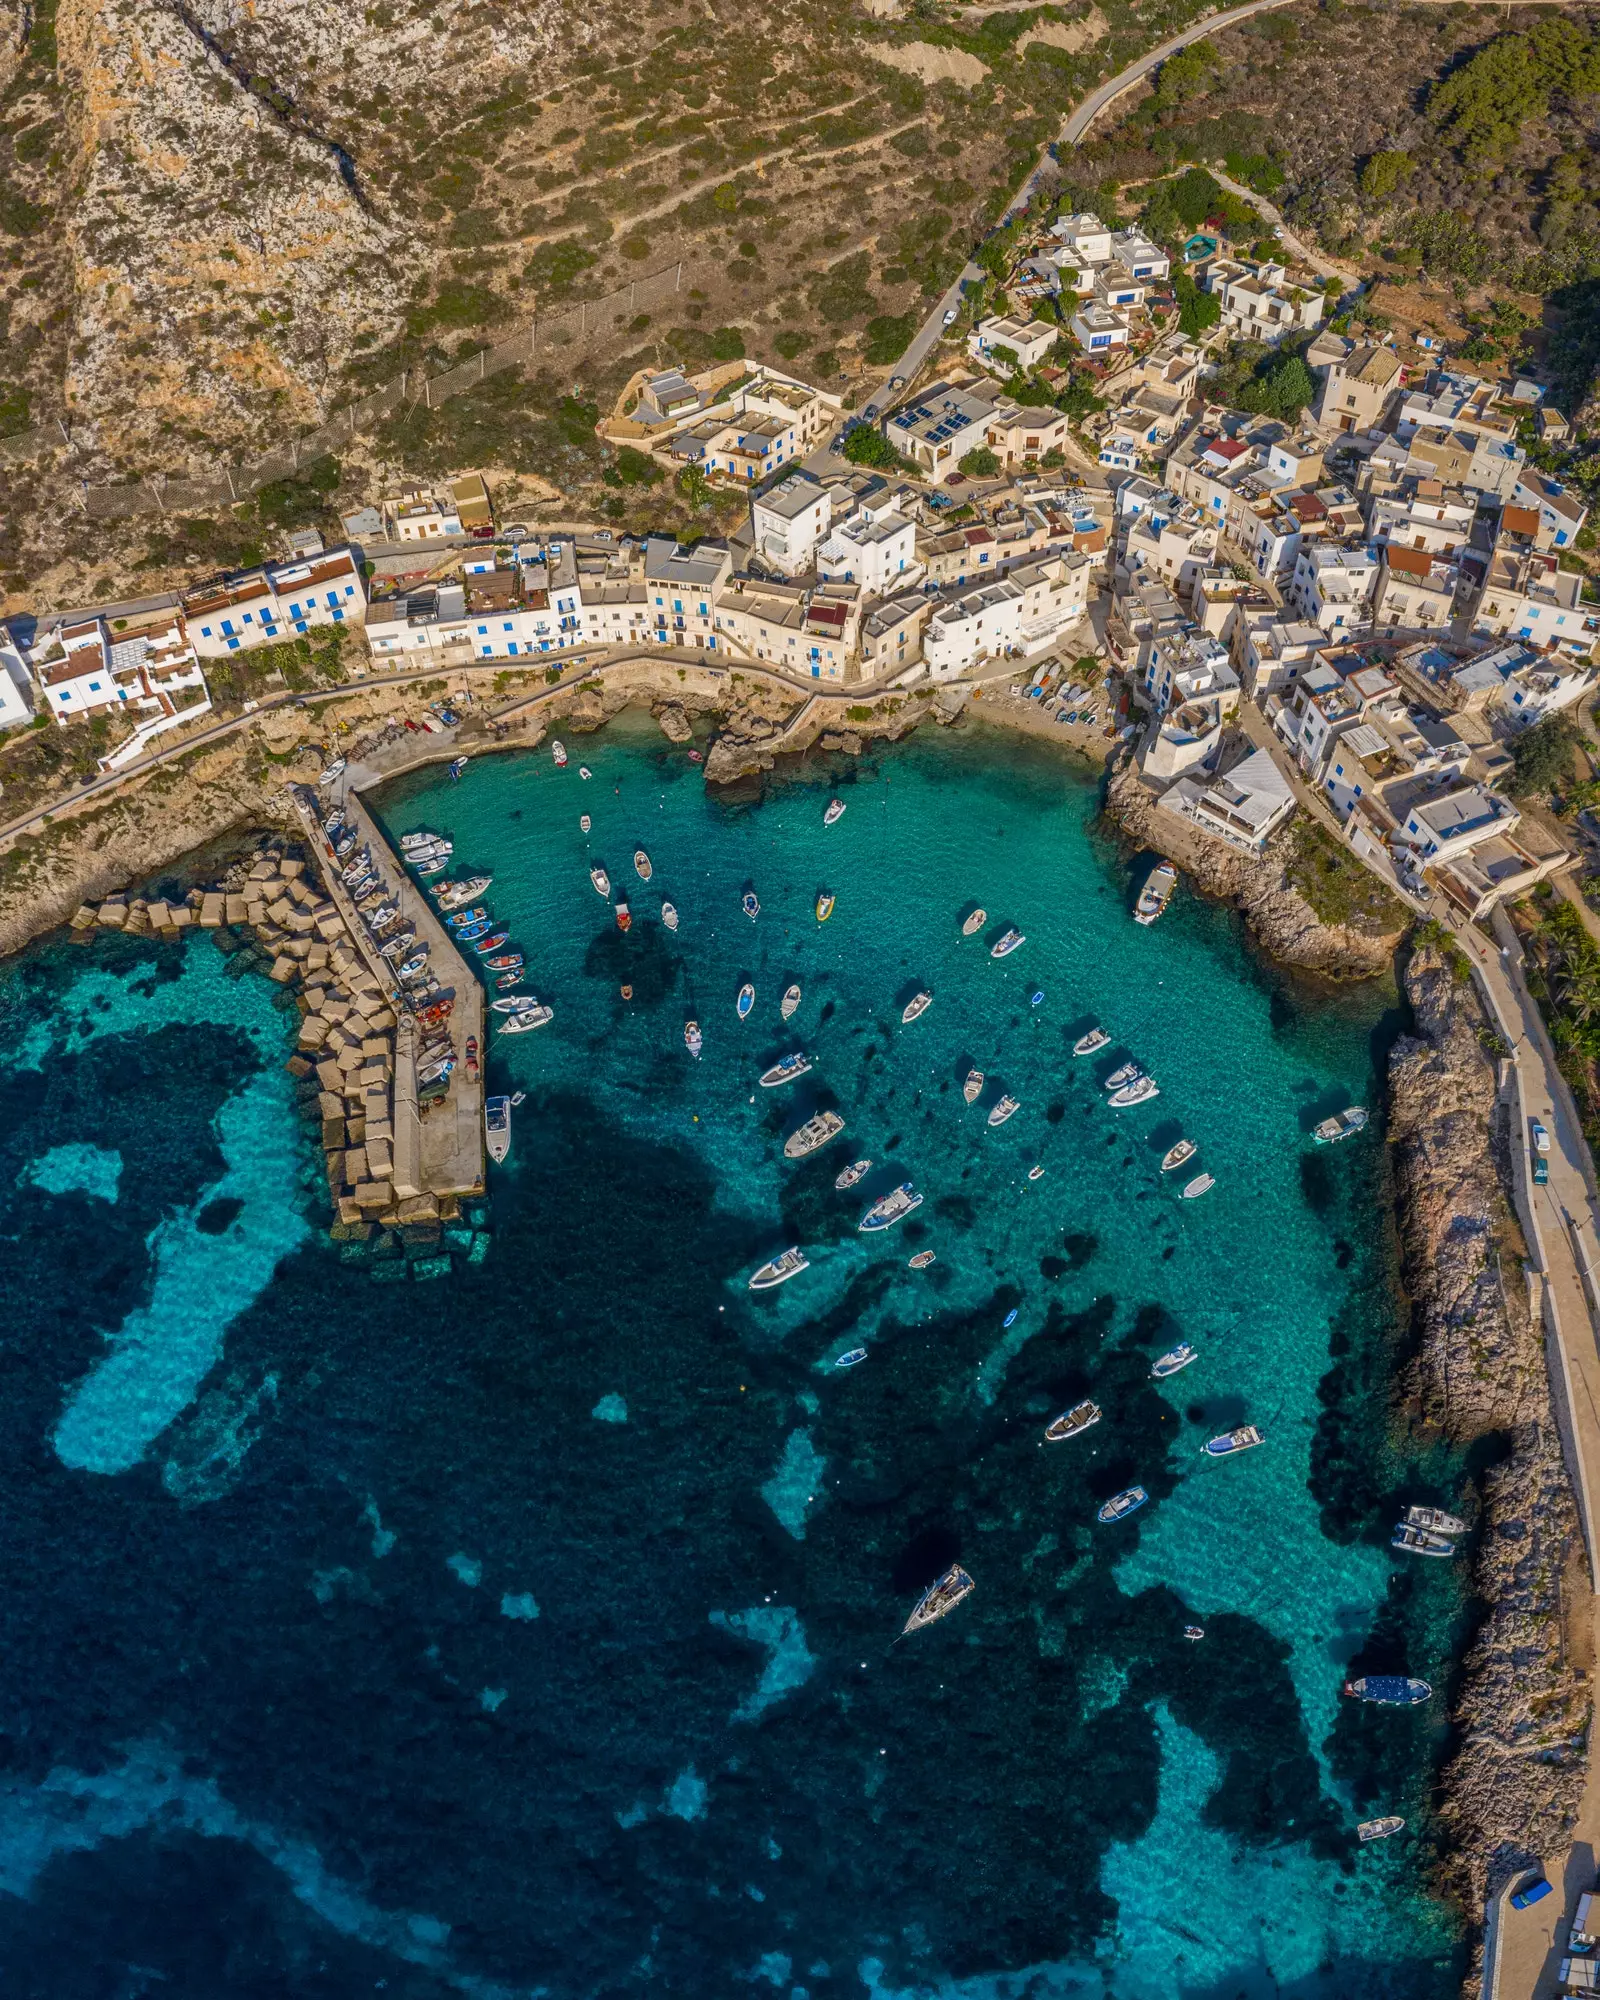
(1243, 1437)
(1343, 1125)
(894, 1207)
(1436, 1520)
(813, 1135)
(1379, 1829)
(642, 865)
(856, 1171)
(693, 1040)
(781, 1269)
(940, 1599)
(1389, 1690)
(458, 920)
(484, 945)
(1122, 1504)
(1421, 1542)
(1092, 1043)
(1156, 893)
(790, 1001)
(1140, 1091)
(1073, 1423)
(834, 813)
(497, 1127)
(974, 923)
(451, 895)
(785, 1070)
(915, 1008)
(1006, 1108)
(505, 961)
(1004, 947)
(601, 881)
(518, 1004)
(1174, 1359)
(1178, 1155)
(411, 842)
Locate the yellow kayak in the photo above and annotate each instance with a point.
(824, 907)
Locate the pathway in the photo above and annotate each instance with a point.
(1325, 267)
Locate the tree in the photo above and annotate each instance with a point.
(980, 463)
(693, 484)
(1282, 387)
(1542, 756)
(636, 468)
(1383, 173)
(865, 446)
(1197, 310)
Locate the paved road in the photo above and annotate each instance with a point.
(1079, 121)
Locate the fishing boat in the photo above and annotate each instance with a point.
(1176, 1156)
(584, 771)
(696, 756)
(506, 981)
(470, 1055)
(335, 770)
(1004, 1109)
(1009, 1320)
(623, 914)
(1379, 1829)
(856, 1171)
(584, 822)
(515, 1005)
(398, 945)
(1349, 1121)
(411, 842)
(1201, 1184)
(497, 1127)
(1073, 1422)
(972, 1089)
(1421, 1542)
(1036, 1173)
(915, 1008)
(835, 812)
(975, 923)
(1122, 1504)
(692, 1038)
(506, 961)
(940, 1599)
(1156, 893)
(791, 1000)
(782, 1268)
(1243, 1437)
(642, 865)
(750, 904)
(922, 1260)
(558, 750)
(1389, 1690)
(1436, 1519)
(1007, 945)
(526, 1019)
(484, 945)
(1036, 999)
(852, 1359)
(451, 895)
(601, 881)
(1194, 1631)
(746, 1000)
(456, 767)
(785, 1070)
(825, 903)
(1138, 1092)
(458, 920)
(894, 1207)
(669, 916)
(428, 869)
(814, 1134)
(1174, 1359)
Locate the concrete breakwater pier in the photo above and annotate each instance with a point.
(401, 1158)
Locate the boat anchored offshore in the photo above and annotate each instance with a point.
(922, 1260)
(1201, 1184)
(1156, 893)
(1435, 1518)
(1244, 1437)
(497, 1127)
(785, 1070)
(601, 881)
(669, 916)
(1174, 1359)
(1125, 1074)
(1194, 1631)
(642, 864)
(624, 915)
(814, 1134)
(1073, 1423)
(1092, 1043)
(852, 1359)
(894, 1207)
(914, 1009)
(745, 1001)
(1007, 945)
(693, 1040)
(940, 1599)
(1138, 1092)
(975, 923)
(790, 1001)
(1349, 1121)
(825, 903)
(1122, 1504)
(972, 1089)
(750, 904)
(782, 1268)
(856, 1171)
(1176, 1156)
(1389, 1690)
(1379, 1829)
(584, 822)
(584, 771)
(1421, 1542)
(558, 750)
(1005, 1109)
(835, 812)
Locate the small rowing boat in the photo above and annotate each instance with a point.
(975, 923)
(1073, 1422)
(856, 1171)
(692, 1038)
(484, 945)
(669, 916)
(745, 1001)
(510, 961)
(922, 1260)
(584, 822)
(584, 771)
(917, 1007)
(782, 1268)
(791, 1000)
(972, 1089)
(601, 881)
(835, 812)
(825, 904)
(642, 865)
(1004, 1110)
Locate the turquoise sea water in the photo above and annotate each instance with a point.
(534, 1632)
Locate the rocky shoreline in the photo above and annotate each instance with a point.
(1283, 923)
(1512, 1787)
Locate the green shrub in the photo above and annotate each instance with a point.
(888, 339)
(980, 463)
(555, 267)
(637, 468)
(865, 446)
(791, 342)
(727, 344)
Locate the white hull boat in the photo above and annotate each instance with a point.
(1092, 1043)
(893, 1208)
(1006, 1108)
(791, 1000)
(1073, 1423)
(1178, 1155)
(789, 1265)
(497, 1127)
(813, 1135)
(916, 1008)
(787, 1069)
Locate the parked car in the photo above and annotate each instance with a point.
(956, 479)
(1531, 1892)
(1541, 1138)
(897, 381)
(950, 316)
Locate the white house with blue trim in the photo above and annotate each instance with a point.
(278, 602)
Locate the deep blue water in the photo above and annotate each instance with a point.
(531, 1631)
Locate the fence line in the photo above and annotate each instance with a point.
(549, 336)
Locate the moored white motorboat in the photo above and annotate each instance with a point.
(1421, 1542)
(781, 1269)
(972, 1089)
(1156, 893)
(601, 881)
(974, 923)
(643, 867)
(1138, 1092)
(813, 1135)
(558, 750)
(745, 1001)
(584, 822)
(497, 1127)
(1379, 1829)
(750, 904)
(1178, 1155)
(1437, 1519)
(825, 903)
(526, 1019)
(1124, 1074)
(852, 1358)
(791, 1000)
(892, 1208)
(1201, 1184)
(692, 1038)
(1005, 1109)
(915, 1008)
(787, 1069)
(835, 812)
(1243, 1437)
(856, 1171)
(1072, 1423)
(1351, 1120)
(669, 916)
(1122, 1504)
(1092, 1043)
(1174, 1359)
(1007, 945)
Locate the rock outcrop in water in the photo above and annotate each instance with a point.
(1282, 921)
(1513, 1785)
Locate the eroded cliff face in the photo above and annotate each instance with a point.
(1513, 1786)
(1281, 920)
(225, 264)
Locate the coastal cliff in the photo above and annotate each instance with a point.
(1283, 922)
(1512, 1787)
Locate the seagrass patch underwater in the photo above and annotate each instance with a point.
(535, 1630)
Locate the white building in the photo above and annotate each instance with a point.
(1259, 301)
(939, 427)
(790, 522)
(1027, 342)
(16, 686)
(280, 601)
(1022, 614)
(1099, 330)
(1191, 666)
(82, 669)
(1244, 807)
(1083, 239)
(1333, 586)
(1437, 830)
(1143, 258)
(874, 548)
